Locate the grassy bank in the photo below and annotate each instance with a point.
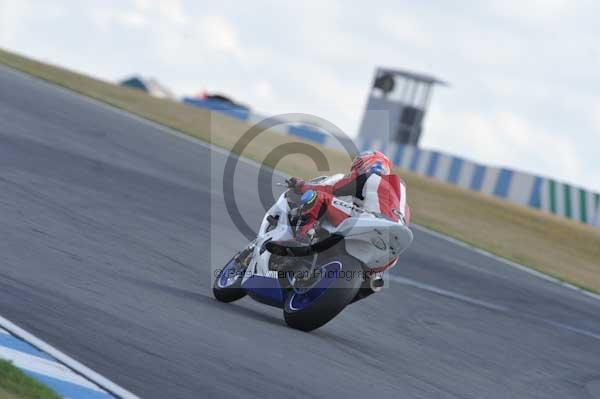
(558, 247)
(14, 384)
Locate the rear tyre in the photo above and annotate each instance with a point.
(227, 287)
(341, 276)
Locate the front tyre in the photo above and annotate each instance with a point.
(337, 282)
(227, 286)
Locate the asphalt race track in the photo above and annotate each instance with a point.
(109, 226)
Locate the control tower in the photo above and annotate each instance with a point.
(396, 107)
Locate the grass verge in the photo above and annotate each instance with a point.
(14, 384)
(567, 250)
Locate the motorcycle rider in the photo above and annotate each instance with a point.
(371, 185)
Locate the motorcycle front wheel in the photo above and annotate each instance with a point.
(227, 286)
(336, 280)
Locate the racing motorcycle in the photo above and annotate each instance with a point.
(313, 280)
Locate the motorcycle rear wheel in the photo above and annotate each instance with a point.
(341, 276)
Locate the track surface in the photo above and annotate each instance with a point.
(108, 227)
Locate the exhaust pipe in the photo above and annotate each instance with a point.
(368, 287)
(376, 283)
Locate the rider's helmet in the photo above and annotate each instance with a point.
(308, 199)
(371, 162)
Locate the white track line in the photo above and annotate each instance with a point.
(71, 363)
(446, 293)
(506, 261)
(491, 306)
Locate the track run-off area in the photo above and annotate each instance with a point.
(110, 228)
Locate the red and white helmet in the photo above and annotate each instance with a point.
(371, 162)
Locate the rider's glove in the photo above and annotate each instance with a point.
(295, 183)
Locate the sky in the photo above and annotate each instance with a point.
(524, 75)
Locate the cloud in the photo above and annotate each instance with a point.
(104, 19)
(11, 13)
(16, 16)
(219, 35)
(263, 90)
(529, 12)
(505, 138)
(407, 29)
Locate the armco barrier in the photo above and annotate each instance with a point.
(520, 188)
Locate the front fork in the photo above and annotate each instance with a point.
(244, 257)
